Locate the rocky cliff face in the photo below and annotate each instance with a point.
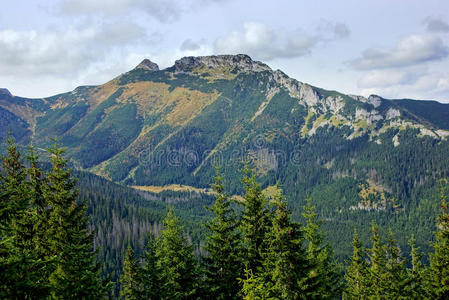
(237, 63)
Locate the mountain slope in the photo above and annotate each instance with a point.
(359, 158)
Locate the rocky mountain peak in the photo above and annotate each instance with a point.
(148, 65)
(4, 91)
(238, 63)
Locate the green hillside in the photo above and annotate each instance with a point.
(360, 159)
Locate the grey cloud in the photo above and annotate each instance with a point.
(63, 54)
(189, 45)
(162, 10)
(333, 30)
(411, 50)
(434, 24)
(265, 43)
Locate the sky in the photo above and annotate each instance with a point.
(393, 48)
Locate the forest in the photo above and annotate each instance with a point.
(51, 240)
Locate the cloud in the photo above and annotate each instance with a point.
(162, 10)
(412, 50)
(390, 77)
(189, 45)
(63, 53)
(265, 43)
(333, 30)
(415, 83)
(434, 24)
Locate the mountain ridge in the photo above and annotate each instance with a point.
(359, 158)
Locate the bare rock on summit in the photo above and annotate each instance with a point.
(148, 65)
(241, 62)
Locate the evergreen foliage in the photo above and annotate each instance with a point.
(255, 224)
(223, 246)
(439, 259)
(326, 274)
(287, 264)
(176, 262)
(45, 245)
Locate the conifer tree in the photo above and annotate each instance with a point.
(132, 284)
(22, 274)
(326, 275)
(396, 271)
(256, 287)
(438, 286)
(286, 263)
(378, 264)
(356, 274)
(223, 246)
(416, 284)
(176, 262)
(255, 224)
(150, 271)
(76, 274)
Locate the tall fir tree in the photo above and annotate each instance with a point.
(326, 275)
(176, 261)
(286, 263)
(150, 271)
(131, 280)
(22, 275)
(438, 282)
(356, 273)
(416, 283)
(223, 262)
(256, 221)
(76, 274)
(378, 266)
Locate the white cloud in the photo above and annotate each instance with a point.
(67, 53)
(386, 78)
(265, 43)
(412, 50)
(400, 84)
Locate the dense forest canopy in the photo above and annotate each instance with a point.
(250, 248)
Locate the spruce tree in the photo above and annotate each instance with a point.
(223, 246)
(416, 284)
(286, 263)
(76, 274)
(396, 271)
(22, 275)
(256, 287)
(132, 285)
(377, 284)
(255, 222)
(438, 282)
(326, 276)
(176, 262)
(150, 271)
(356, 274)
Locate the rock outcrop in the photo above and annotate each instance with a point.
(148, 65)
(239, 63)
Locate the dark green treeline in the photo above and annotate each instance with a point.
(46, 249)
(254, 251)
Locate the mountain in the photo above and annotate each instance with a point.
(358, 158)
